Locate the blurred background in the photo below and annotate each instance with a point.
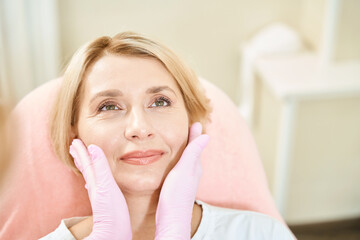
(292, 67)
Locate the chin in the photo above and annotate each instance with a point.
(139, 184)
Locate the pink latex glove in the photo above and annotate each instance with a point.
(177, 196)
(111, 217)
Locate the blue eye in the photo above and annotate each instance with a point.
(162, 102)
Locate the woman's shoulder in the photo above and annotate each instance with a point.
(239, 224)
(62, 231)
(222, 212)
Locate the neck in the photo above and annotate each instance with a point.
(142, 210)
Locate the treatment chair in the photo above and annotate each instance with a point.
(41, 190)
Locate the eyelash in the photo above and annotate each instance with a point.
(165, 99)
(109, 103)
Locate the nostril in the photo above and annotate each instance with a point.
(139, 134)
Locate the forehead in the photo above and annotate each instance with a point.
(127, 73)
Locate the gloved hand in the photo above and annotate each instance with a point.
(177, 196)
(111, 217)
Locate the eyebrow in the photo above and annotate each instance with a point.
(157, 89)
(118, 93)
(107, 93)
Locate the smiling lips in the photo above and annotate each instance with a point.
(142, 157)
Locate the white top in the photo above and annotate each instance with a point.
(216, 223)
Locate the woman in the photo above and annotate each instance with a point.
(140, 111)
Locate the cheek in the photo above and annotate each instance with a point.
(174, 132)
(101, 134)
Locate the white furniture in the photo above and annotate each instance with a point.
(293, 79)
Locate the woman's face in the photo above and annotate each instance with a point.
(133, 104)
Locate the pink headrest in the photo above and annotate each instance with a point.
(42, 190)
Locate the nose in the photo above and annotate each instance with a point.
(138, 126)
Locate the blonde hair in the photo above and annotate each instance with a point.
(127, 43)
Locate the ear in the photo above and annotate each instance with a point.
(73, 132)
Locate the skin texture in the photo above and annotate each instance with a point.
(136, 120)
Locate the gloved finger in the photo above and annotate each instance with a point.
(84, 163)
(101, 166)
(191, 155)
(195, 131)
(77, 153)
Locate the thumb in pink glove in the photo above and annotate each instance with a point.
(111, 218)
(177, 196)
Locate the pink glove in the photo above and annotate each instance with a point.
(110, 212)
(177, 196)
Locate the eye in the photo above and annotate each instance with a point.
(162, 102)
(108, 107)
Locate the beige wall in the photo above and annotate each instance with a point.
(348, 37)
(311, 22)
(206, 34)
(347, 30)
